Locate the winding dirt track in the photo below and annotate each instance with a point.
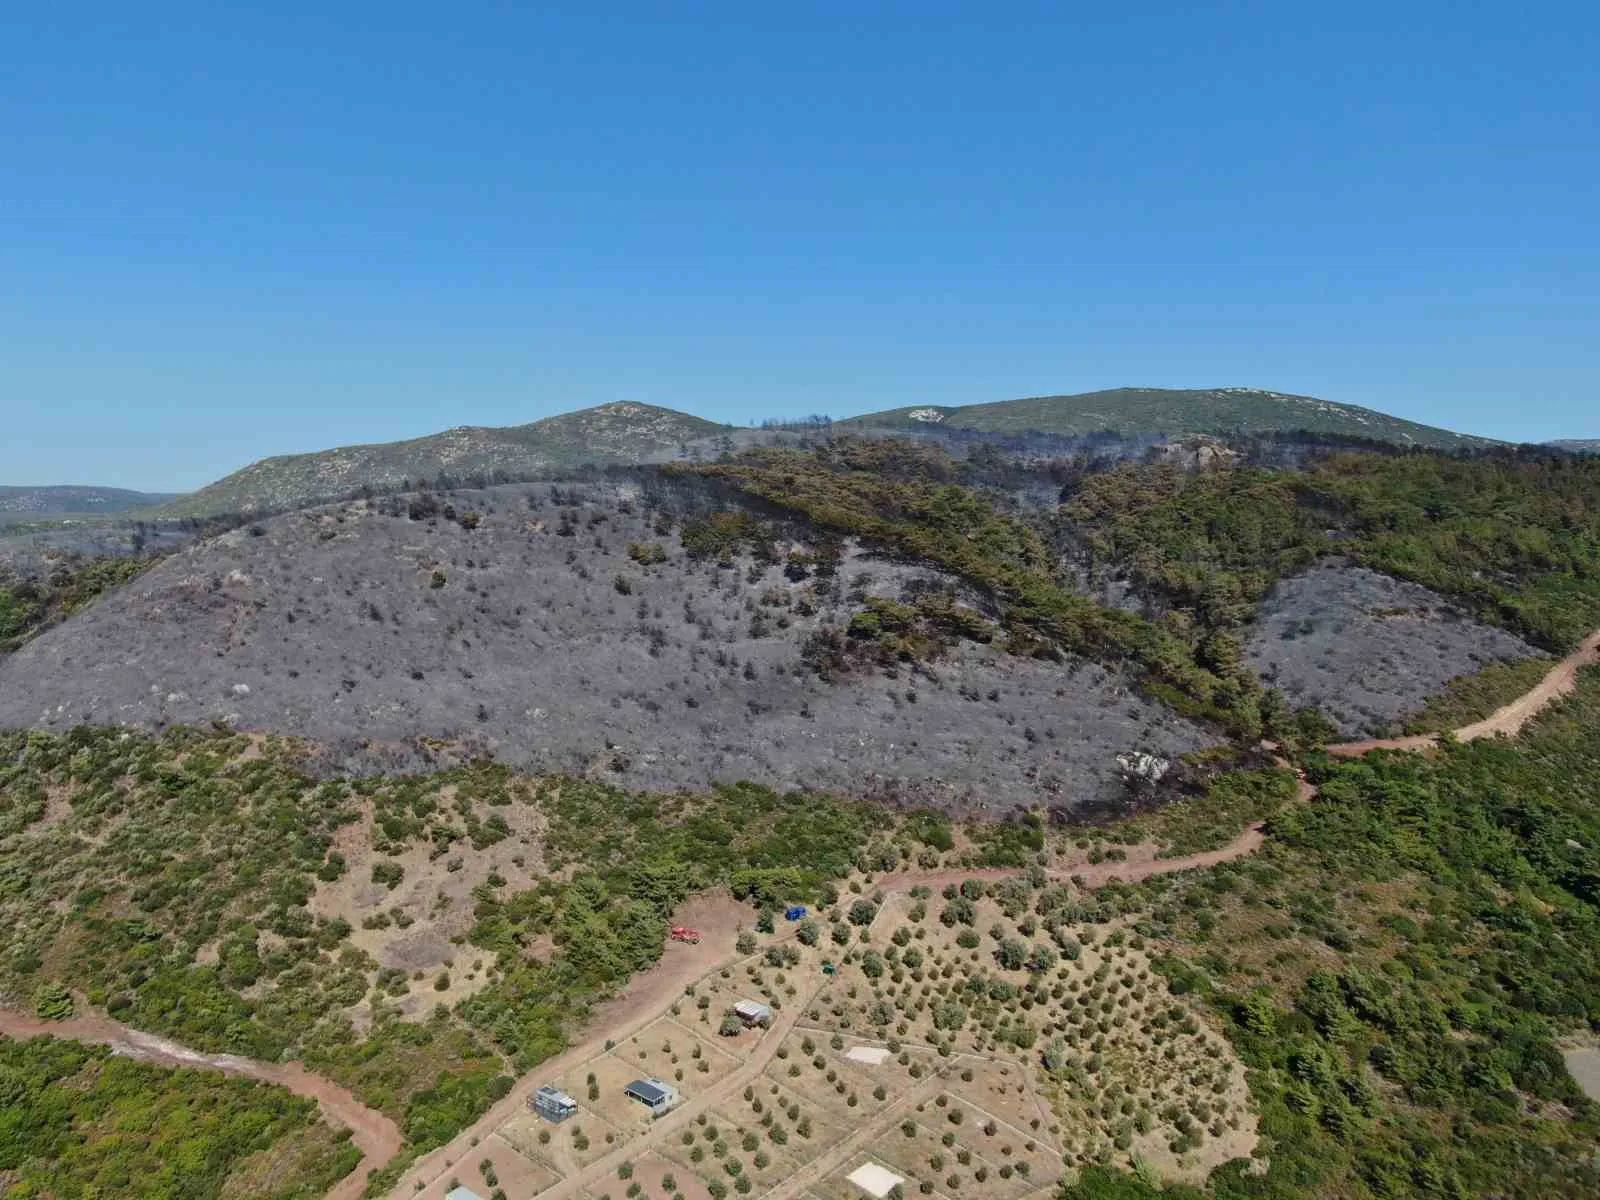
(1090, 875)
(652, 992)
(375, 1135)
(1508, 720)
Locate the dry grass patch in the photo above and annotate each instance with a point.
(667, 1050)
(405, 909)
(494, 1164)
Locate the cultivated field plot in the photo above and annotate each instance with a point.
(983, 1040)
(805, 1127)
(657, 1179)
(957, 1147)
(706, 1004)
(607, 1118)
(1010, 994)
(727, 1148)
(495, 1163)
(667, 1050)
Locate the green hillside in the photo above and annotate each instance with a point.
(1165, 410)
(609, 433)
(642, 433)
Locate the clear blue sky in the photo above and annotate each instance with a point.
(227, 235)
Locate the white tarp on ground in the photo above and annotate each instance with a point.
(874, 1180)
(873, 1056)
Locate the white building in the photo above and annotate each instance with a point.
(752, 1013)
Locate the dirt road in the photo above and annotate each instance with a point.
(374, 1134)
(1508, 720)
(1141, 863)
(717, 916)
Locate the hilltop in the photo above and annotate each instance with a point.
(608, 433)
(634, 434)
(1174, 411)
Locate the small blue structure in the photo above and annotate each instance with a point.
(794, 912)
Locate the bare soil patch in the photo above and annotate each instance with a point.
(409, 927)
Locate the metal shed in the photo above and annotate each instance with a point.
(653, 1094)
(752, 1013)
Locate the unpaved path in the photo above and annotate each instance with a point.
(716, 915)
(375, 1135)
(1508, 719)
(673, 1123)
(1143, 865)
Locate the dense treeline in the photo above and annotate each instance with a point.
(77, 1122)
(1396, 965)
(1515, 537)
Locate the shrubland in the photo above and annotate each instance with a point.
(167, 881)
(1396, 966)
(29, 605)
(77, 1122)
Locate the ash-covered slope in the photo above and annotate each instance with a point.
(514, 621)
(1368, 649)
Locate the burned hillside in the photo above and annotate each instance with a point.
(580, 629)
(1365, 648)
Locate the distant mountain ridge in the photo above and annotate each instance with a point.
(625, 432)
(1175, 411)
(621, 432)
(27, 503)
(1577, 445)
